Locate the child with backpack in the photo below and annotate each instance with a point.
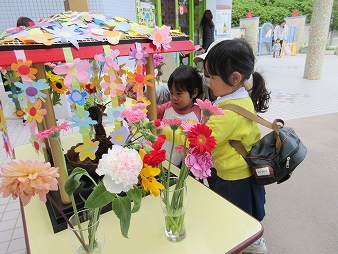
(230, 64)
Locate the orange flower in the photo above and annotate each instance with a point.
(22, 69)
(139, 79)
(25, 178)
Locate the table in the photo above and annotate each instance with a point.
(213, 224)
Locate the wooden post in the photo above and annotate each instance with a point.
(49, 120)
(76, 5)
(151, 91)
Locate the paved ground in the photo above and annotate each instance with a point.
(302, 213)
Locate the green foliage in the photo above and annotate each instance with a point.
(272, 11)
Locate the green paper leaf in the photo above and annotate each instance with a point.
(99, 197)
(122, 209)
(73, 181)
(136, 196)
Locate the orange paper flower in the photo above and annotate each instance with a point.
(22, 69)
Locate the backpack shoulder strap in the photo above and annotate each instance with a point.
(275, 125)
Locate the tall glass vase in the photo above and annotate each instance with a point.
(174, 203)
(88, 238)
(158, 80)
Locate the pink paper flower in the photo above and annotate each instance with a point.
(25, 178)
(76, 69)
(108, 60)
(199, 164)
(121, 167)
(161, 37)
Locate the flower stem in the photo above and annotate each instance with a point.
(71, 196)
(67, 220)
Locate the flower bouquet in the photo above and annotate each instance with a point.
(197, 146)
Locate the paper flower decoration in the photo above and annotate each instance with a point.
(139, 30)
(35, 111)
(67, 34)
(123, 26)
(119, 136)
(37, 144)
(22, 69)
(139, 80)
(76, 69)
(114, 114)
(161, 37)
(138, 54)
(84, 121)
(108, 60)
(87, 150)
(19, 113)
(77, 97)
(33, 91)
(38, 36)
(112, 85)
(10, 78)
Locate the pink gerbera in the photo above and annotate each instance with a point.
(174, 124)
(208, 109)
(25, 178)
(53, 132)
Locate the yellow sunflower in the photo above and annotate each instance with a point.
(59, 87)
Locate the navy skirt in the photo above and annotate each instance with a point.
(245, 194)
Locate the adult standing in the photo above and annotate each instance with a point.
(208, 28)
(279, 33)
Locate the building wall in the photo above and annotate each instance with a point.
(11, 10)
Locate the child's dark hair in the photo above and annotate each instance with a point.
(186, 78)
(229, 56)
(23, 21)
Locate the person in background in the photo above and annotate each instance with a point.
(276, 48)
(24, 21)
(208, 30)
(279, 33)
(230, 64)
(185, 85)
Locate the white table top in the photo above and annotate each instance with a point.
(213, 224)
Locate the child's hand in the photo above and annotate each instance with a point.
(129, 91)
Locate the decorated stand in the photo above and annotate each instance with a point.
(83, 49)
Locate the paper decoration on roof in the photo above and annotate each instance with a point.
(161, 37)
(74, 27)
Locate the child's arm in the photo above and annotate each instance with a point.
(161, 109)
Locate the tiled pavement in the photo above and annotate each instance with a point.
(292, 97)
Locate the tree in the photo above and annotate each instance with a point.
(270, 10)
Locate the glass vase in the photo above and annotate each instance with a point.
(88, 238)
(174, 203)
(158, 80)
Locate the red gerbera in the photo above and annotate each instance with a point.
(200, 138)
